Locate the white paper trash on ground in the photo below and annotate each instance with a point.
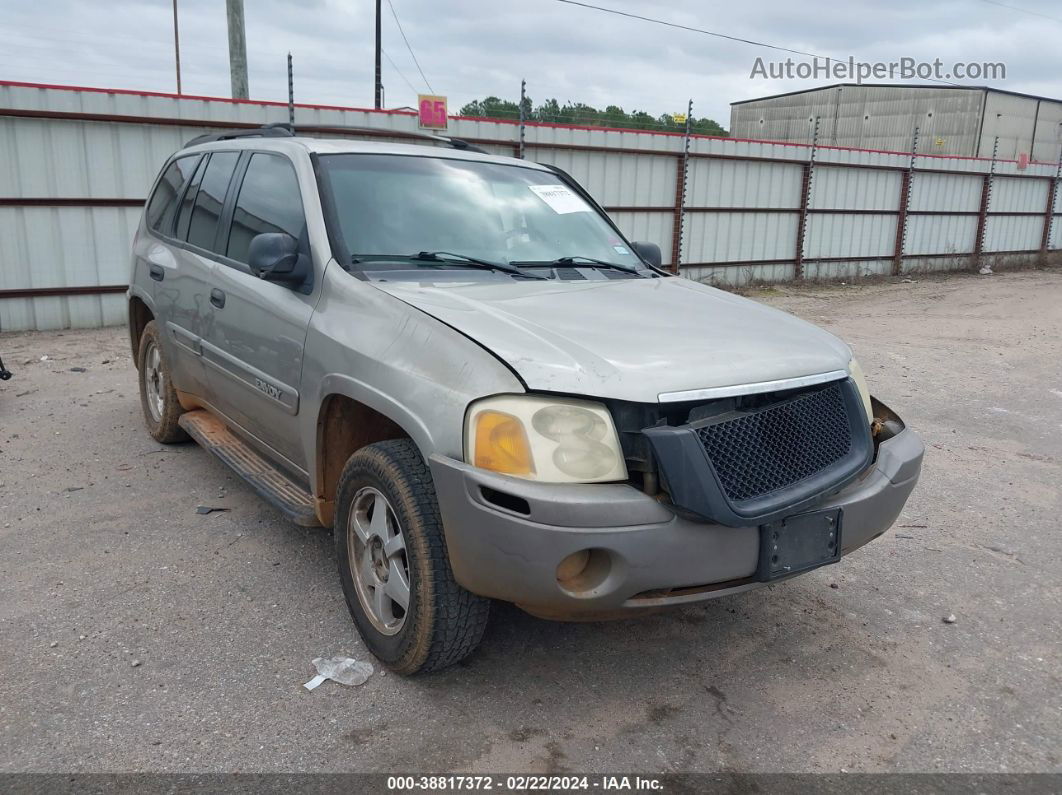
(339, 669)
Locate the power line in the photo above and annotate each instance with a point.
(395, 14)
(716, 34)
(395, 67)
(1023, 10)
(687, 27)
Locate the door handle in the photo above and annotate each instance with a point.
(217, 298)
(157, 272)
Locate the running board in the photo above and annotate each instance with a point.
(270, 482)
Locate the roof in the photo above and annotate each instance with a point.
(334, 146)
(941, 87)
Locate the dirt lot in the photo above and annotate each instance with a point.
(138, 635)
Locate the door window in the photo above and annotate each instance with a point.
(269, 201)
(203, 226)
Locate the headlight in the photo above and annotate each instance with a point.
(856, 372)
(554, 440)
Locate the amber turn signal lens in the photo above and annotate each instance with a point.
(501, 444)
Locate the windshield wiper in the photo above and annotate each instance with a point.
(579, 260)
(449, 258)
(464, 259)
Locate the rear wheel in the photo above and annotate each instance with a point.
(158, 399)
(394, 566)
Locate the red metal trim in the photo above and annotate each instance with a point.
(45, 292)
(802, 222)
(982, 217)
(901, 223)
(83, 202)
(199, 97)
(1049, 213)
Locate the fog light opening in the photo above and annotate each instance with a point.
(583, 571)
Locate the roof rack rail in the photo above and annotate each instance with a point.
(275, 130)
(453, 143)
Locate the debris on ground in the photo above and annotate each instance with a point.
(344, 670)
(78, 370)
(203, 510)
(134, 663)
(985, 270)
(950, 618)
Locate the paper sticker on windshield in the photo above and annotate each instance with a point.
(560, 199)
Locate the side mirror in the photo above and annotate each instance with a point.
(650, 252)
(274, 256)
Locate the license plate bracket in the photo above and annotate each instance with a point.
(799, 543)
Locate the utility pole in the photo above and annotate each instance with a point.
(237, 49)
(379, 78)
(177, 47)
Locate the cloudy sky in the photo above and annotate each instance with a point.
(472, 48)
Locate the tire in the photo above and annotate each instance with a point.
(442, 623)
(158, 399)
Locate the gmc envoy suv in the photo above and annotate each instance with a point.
(459, 363)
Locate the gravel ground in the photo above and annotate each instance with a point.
(140, 636)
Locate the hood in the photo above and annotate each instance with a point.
(629, 339)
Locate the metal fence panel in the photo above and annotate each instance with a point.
(1013, 232)
(945, 192)
(740, 237)
(941, 234)
(77, 163)
(738, 183)
(836, 187)
(650, 227)
(743, 275)
(1012, 194)
(842, 235)
(617, 179)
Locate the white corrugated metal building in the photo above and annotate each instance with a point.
(76, 165)
(951, 120)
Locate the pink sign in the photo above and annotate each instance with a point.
(432, 111)
(1023, 160)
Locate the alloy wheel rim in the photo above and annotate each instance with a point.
(154, 381)
(376, 550)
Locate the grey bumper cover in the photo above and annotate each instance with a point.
(649, 549)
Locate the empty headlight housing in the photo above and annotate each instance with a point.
(856, 372)
(553, 440)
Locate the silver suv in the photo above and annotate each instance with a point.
(462, 366)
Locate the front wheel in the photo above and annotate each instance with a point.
(394, 566)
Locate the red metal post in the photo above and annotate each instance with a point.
(676, 214)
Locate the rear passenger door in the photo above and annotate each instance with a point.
(254, 349)
(183, 295)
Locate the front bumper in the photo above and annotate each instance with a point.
(644, 554)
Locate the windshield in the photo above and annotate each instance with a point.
(400, 205)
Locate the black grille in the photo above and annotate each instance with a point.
(771, 449)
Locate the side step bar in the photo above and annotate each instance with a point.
(272, 484)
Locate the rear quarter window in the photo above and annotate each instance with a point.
(162, 206)
(210, 199)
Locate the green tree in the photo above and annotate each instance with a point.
(579, 113)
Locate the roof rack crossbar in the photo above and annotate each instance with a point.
(275, 130)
